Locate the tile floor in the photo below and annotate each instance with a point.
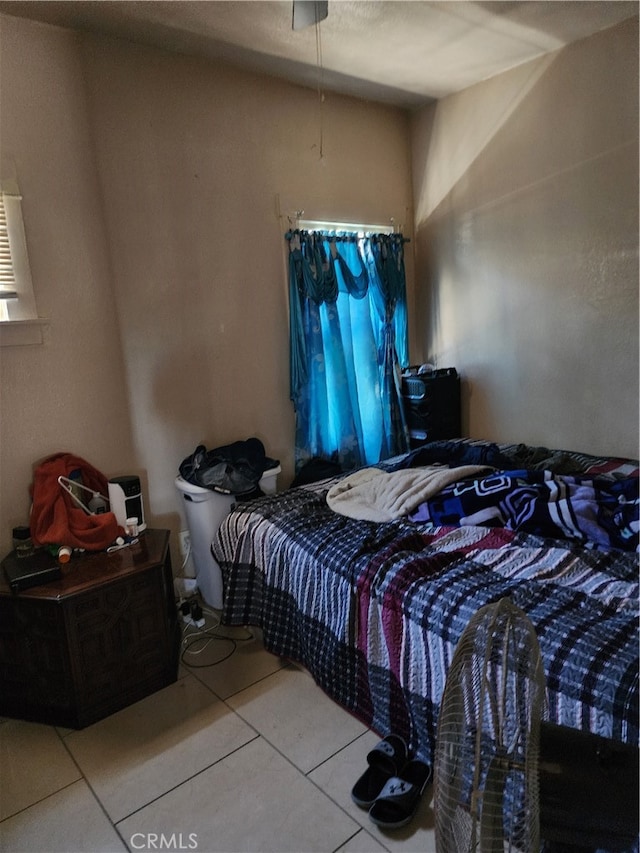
(247, 754)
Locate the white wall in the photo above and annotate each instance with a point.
(162, 177)
(145, 174)
(526, 197)
(68, 394)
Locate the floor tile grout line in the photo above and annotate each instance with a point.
(305, 775)
(63, 739)
(337, 751)
(189, 778)
(257, 734)
(83, 777)
(240, 689)
(41, 800)
(350, 838)
(342, 808)
(90, 787)
(339, 804)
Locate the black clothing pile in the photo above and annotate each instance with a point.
(234, 469)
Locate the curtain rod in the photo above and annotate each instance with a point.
(346, 238)
(326, 225)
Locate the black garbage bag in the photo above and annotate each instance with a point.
(234, 469)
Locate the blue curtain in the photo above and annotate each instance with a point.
(348, 338)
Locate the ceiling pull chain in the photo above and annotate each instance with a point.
(320, 69)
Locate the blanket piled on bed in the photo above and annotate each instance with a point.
(374, 495)
(595, 511)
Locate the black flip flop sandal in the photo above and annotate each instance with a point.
(398, 801)
(385, 761)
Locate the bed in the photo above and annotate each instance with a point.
(373, 609)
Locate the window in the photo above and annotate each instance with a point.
(321, 225)
(348, 336)
(16, 290)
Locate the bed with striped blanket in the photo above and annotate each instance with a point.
(374, 609)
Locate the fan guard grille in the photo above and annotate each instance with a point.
(486, 759)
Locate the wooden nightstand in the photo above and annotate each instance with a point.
(105, 635)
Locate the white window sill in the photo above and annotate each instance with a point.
(21, 333)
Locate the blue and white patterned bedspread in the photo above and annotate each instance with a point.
(595, 511)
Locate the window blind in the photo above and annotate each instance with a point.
(7, 276)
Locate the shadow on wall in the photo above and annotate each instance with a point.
(455, 131)
(197, 398)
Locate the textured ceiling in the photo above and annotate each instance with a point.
(392, 51)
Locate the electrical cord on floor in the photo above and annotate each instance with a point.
(197, 638)
(186, 557)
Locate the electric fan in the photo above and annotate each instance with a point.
(486, 795)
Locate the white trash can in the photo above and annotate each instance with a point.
(205, 510)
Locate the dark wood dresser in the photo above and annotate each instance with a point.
(104, 635)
